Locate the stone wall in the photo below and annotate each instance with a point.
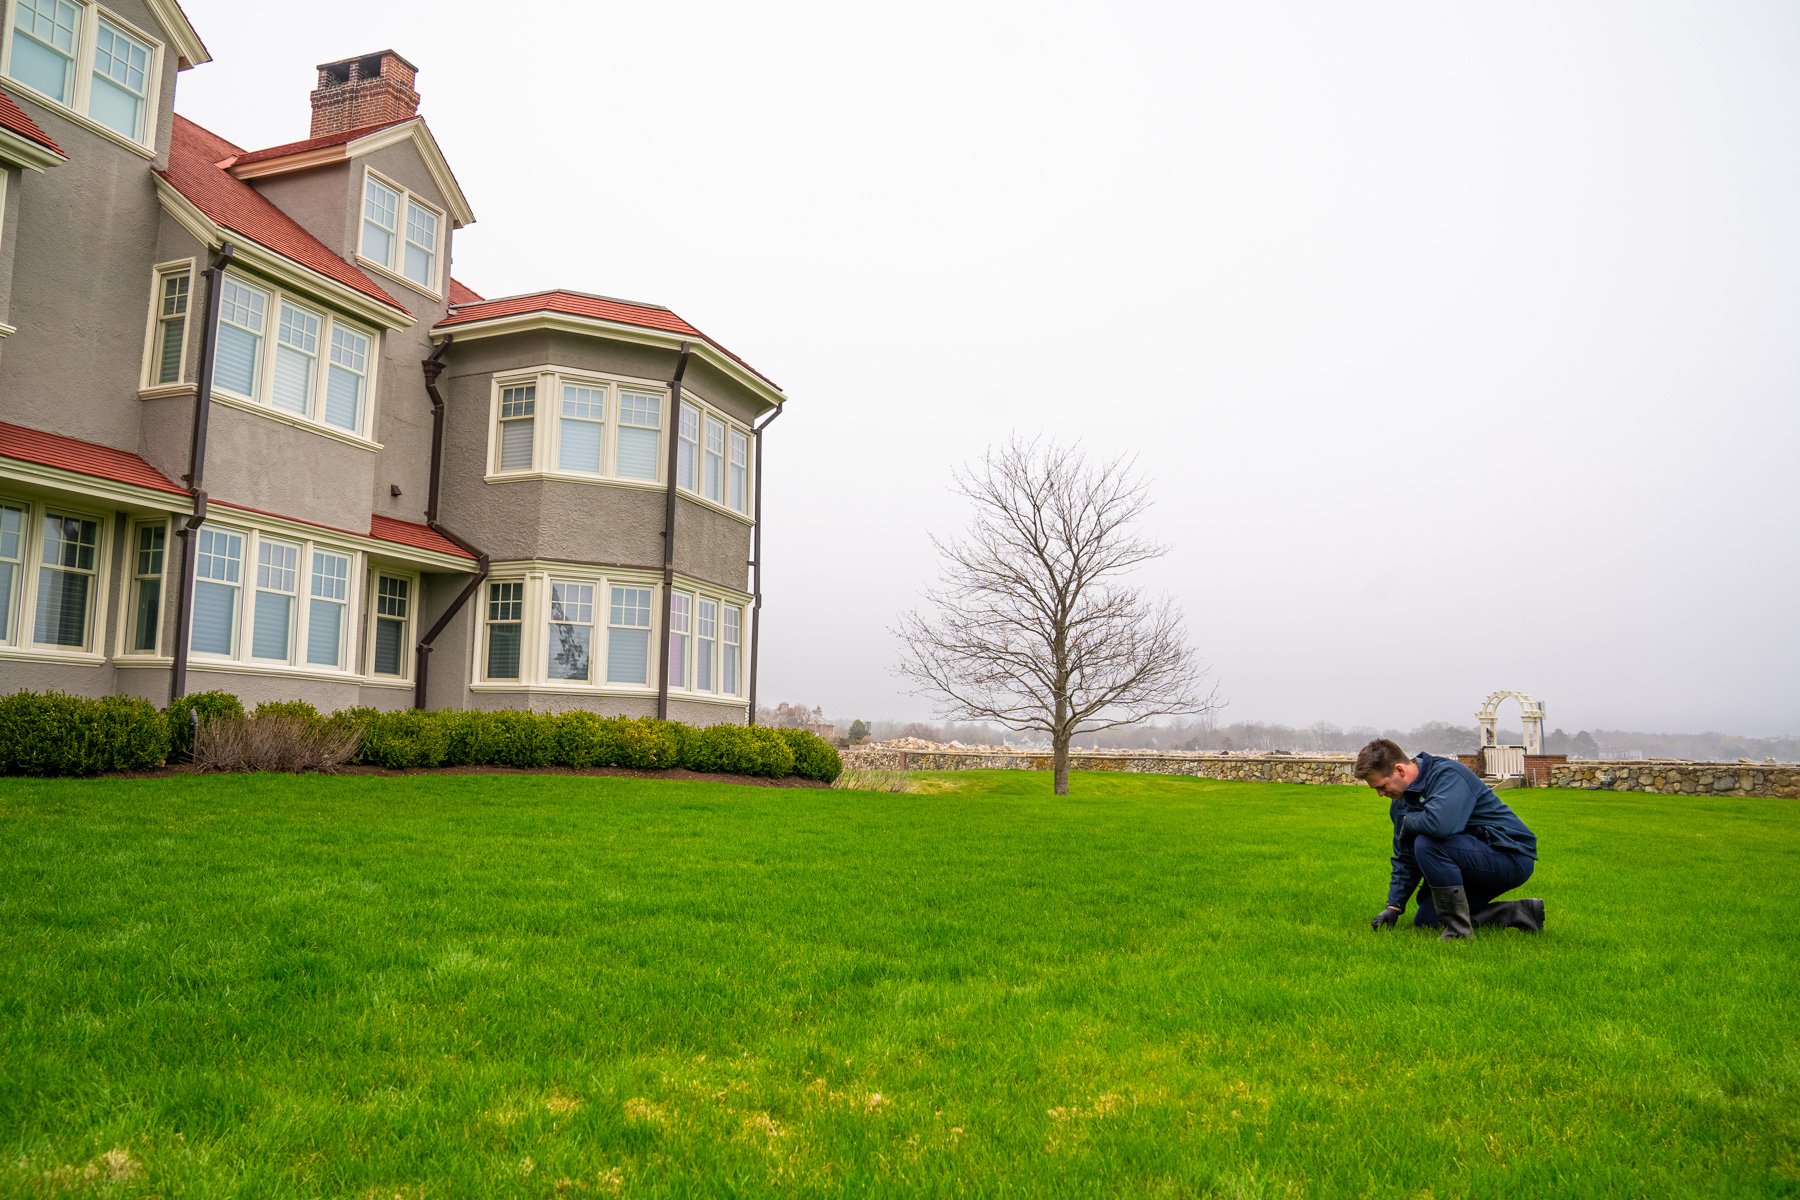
(1680, 778)
(1261, 768)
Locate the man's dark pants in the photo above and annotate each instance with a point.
(1464, 860)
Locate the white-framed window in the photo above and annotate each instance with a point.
(504, 629)
(570, 644)
(687, 453)
(51, 593)
(737, 495)
(705, 639)
(713, 456)
(569, 628)
(628, 635)
(681, 635)
(272, 600)
(594, 427)
(83, 58)
(401, 233)
(148, 550)
(390, 619)
(315, 367)
(165, 350)
(714, 475)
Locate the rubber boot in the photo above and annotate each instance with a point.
(1453, 911)
(1527, 915)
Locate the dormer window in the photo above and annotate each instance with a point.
(400, 233)
(84, 59)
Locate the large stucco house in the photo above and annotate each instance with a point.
(255, 437)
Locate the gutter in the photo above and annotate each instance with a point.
(668, 587)
(756, 566)
(196, 476)
(432, 368)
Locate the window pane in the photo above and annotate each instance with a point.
(62, 608)
(628, 656)
(569, 647)
(116, 108)
(421, 245)
(215, 616)
(679, 609)
(580, 447)
(273, 624)
(346, 378)
(121, 81)
(168, 358)
(324, 633)
(388, 646)
(503, 651)
(515, 445)
(9, 586)
(381, 222)
(293, 380)
(12, 548)
(234, 365)
(637, 453)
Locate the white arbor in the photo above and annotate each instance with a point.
(1531, 713)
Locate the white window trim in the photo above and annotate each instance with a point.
(546, 433)
(147, 385)
(687, 690)
(535, 631)
(408, 642)
(436, 288)
(21, 645)
(127, 623)
(85, 51)
(264, 402)
(240, 658)
(732, 425)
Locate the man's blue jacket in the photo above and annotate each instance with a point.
(1447, 799)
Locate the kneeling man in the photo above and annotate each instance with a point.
(1450, 829)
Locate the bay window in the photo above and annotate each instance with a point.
(69, 548)
(400, 232)
(681, 608)
(505, 629)
(571, 639)
(84, 59)
(628, 636)
(706, 643)
(738, 495)
(640, 433)
(297, 611)
(52, 596)
(518, 408)
(595, 427)
(687, 455)
(316, 368)
(728, 655)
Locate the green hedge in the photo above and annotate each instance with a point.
(54, 734)
(49, 733)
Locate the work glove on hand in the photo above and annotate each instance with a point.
(1389, 918)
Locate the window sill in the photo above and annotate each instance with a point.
(280, 670)
(275, 414)
(74, 658)
(88, 123)
(641, 485)
(708, 698)
(143, 660)
(397, 277)
(165, 391)
(7, 330)
(568, 689)
(715, 506)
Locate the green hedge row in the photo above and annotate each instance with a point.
(53, 734)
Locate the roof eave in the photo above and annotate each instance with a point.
(189, 49)
(20, 151)
(642, 335)
(436, 164)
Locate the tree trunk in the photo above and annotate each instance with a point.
(1059, 744)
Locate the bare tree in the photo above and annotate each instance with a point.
(1033, 625)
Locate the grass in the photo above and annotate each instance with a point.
(562, 986)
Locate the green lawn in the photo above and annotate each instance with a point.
(552, 985)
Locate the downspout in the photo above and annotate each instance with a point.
(668, 588)
(756, 566)
(196, 475)
(433, 367)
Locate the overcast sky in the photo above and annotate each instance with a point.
(1461, 342)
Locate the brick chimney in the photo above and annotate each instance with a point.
(370, 89)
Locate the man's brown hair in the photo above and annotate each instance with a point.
(1379, 757)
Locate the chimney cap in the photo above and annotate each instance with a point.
(374, 58)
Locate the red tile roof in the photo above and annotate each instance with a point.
(409, 533)
(86, 458)
(193, 171)
(382, 529)
(600, 308)
(462, 293)
(317, 143)
(17, 120)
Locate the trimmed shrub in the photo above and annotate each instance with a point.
(737, 749)
(300, 710)
(463, 734)
(272, 739)
(584, 740)
(514, 738)
(646, 743)
(404, 739)
(814, 757)
(50, 733)
(209, 705)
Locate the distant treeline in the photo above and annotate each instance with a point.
(1434, 737)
